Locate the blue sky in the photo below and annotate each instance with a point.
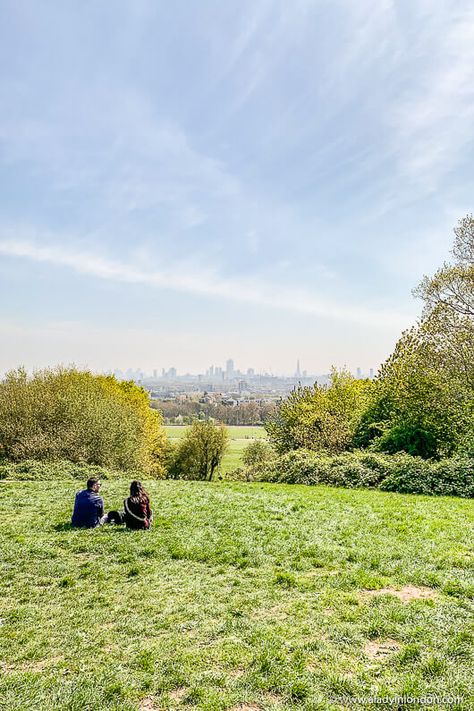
(183, 182)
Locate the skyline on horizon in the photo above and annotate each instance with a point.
(250, 178)
(159, 372)
(247, 371)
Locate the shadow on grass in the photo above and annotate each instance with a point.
(62, 527)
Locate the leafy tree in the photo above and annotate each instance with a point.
(423, 399)
(257, 453)
(199, 453)
(66, 413)
(320, 418)
(448, 315)
(451, 289)
(256, 458)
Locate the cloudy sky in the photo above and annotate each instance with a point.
(183, 182)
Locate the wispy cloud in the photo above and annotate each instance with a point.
(181, 278)
(433, 120)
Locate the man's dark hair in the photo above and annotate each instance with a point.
(93, 480)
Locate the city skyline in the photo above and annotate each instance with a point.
(255, 178)
(225, 373)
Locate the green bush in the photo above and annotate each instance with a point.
(359, 469)
(199, 453)
(322, 418)
(69, 414)
(31, 469)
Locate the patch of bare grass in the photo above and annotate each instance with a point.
(378, 650)
(178, 694)
(406, 594)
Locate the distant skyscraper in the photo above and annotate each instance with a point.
(229, 368)
(155, 373)
(250, 371)
(298, 371)
(371, 373)
(359, 373)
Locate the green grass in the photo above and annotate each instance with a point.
(235, 431)
(241, 594)
(239, 438)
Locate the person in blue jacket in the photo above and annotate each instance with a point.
(89, 506)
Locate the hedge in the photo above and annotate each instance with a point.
(399, 472)
(34, 470)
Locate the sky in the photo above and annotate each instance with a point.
(263, 180)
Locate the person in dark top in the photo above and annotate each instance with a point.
(89, 506)
(137, 514)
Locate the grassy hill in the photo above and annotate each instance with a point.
(239, 438)
(242, 596)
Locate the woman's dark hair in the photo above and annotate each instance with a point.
(138, 493)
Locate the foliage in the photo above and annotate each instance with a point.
(65, 413)
(186, 411)
(257, 453)
(199, 453)
(59, 470)
(451, 289)
(422, 401)
(240, 595)
(239, 438)
(321, 418)
(255, 457)
(419, 403)
(400, 472)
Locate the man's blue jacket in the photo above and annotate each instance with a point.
(88, 509)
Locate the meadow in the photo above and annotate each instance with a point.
(239, 438)
(242, 597)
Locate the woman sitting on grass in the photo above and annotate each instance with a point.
(138, 513)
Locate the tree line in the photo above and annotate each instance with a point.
(186, 411)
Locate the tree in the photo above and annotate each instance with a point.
(257, 453)
(256, 456)
(199, 453)
(423, 399)
(66, 413)
(321, 418)
(451, 289)
(418, 404)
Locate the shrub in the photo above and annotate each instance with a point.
(65, 413)
(255, 457)
(199, 454)
(400, 472)
(31, 469)
(448, 477)
(321, 418)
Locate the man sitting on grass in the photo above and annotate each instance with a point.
(89, 506)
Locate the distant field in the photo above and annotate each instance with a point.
(239, 439)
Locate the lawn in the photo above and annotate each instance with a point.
(242, 596)
(239, 438)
